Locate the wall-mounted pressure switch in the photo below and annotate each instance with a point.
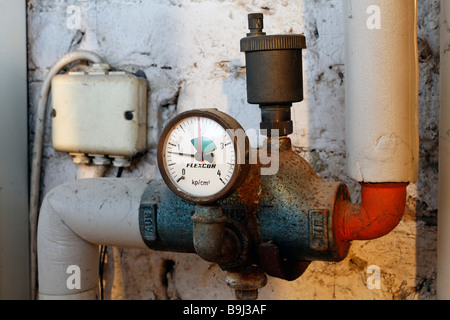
(99, 115)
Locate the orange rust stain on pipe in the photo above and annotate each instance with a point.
(381, 209)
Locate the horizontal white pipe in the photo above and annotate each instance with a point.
(443, 240)
(381, 71)
(76, 218)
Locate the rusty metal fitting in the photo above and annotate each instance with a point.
(381, 209)
(213, 241)
(246, 285)
(293, 209)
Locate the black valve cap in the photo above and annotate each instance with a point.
(256, 23)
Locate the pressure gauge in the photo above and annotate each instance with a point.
(203, 155)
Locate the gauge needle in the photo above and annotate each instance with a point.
(197, 156)
(183, 154)
(199, 136)
(200, 139)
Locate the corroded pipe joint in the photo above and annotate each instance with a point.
(213, 241)
(381, 209)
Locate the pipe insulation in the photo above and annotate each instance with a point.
(443, 237)
(381, 71)
(75, 218)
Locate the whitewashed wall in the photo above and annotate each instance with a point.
(189, 50)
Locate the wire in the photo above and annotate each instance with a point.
(119, 172)
(102, 259)
(104, 251)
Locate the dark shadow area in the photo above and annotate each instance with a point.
(423, 208)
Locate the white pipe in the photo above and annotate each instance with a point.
(381, 71)
(443, 239)
(38, 146)
(76, 218)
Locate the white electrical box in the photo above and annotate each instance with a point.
(99, 115)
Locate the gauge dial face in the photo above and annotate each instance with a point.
(199, 157)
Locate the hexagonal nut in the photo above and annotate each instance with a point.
(284, 128)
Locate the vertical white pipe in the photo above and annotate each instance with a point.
(443, 250)
(381, 71)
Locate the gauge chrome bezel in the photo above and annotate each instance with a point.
(241, 149)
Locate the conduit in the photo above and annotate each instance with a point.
(75, 219)
(381, 71)
(38, 146)
(443, 240)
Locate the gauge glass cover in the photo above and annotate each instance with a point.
(200, 156)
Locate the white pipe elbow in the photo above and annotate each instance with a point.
(76, 218)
